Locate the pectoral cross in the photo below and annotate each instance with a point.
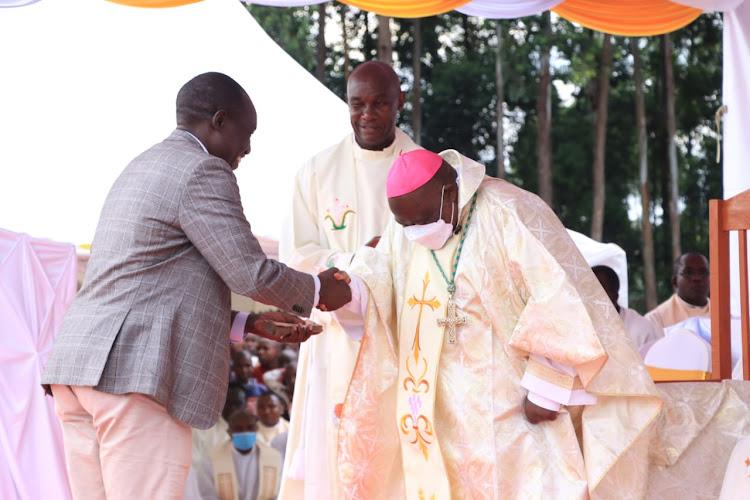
(452, 321)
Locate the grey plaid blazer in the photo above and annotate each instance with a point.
(153, 315)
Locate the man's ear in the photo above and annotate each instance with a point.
(451, 190)
(401, 100)
(219, 119)
(674, 282)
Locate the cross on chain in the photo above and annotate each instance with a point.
(452, 321)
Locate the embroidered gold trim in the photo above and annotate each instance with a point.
(553, 376)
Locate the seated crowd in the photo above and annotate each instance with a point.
(242, 456)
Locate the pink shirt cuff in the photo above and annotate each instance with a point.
(237, 333)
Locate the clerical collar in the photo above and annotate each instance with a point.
(361, 153)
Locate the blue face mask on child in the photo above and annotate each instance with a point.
(243, 441)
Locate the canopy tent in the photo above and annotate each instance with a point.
(107, 64)
(116, 111)
(89, 84)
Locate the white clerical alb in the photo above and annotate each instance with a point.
(339, 205)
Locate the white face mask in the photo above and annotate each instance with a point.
(435, 234)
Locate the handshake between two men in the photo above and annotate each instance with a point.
(285, 327)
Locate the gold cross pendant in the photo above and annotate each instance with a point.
(452, 321)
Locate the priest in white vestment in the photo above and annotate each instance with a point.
(485, 331)
(241, 467)
(200, 477)
(690, 297)
(339, 205)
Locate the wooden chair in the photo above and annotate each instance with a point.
(726, 216)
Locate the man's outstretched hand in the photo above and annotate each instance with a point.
(283, 327)
(334, 293)
(536, 414)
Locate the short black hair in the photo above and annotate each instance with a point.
(243, 353)
(242, 412)
(273, 395)
(608, 273)
(677, 266)
(204, 95)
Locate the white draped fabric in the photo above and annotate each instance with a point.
(736, 64)
(711, 5)
(736, 147)
(37, 283)
(15, 3)
(507, 9)
(604, 254)
(125, 66)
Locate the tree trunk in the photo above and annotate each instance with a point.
(416, 95)
(649, 261)
(385, 45)
(345, 42)
(544, 116)
(499, 100)
(674, 214)
(600, 138)
(320, 52)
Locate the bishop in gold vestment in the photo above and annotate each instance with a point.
(438, 405)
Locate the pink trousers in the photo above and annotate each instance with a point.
(121, 446)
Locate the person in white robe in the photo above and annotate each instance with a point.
(338, 206)
(642, 332)
(200, 478)
(690, 297)
(486, 337)
(270, 408)
(241, 468)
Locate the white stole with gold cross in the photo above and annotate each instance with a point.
(421, 339)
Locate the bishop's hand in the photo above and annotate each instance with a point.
(536, 414)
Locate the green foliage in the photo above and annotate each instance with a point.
(292, 28)
(459, 96)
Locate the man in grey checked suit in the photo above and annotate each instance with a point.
(143, 353)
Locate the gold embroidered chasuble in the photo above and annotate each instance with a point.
(525, 289)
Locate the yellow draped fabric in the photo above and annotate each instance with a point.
(628, 17)
(155, 3)
(669, 374)
(407, 8)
